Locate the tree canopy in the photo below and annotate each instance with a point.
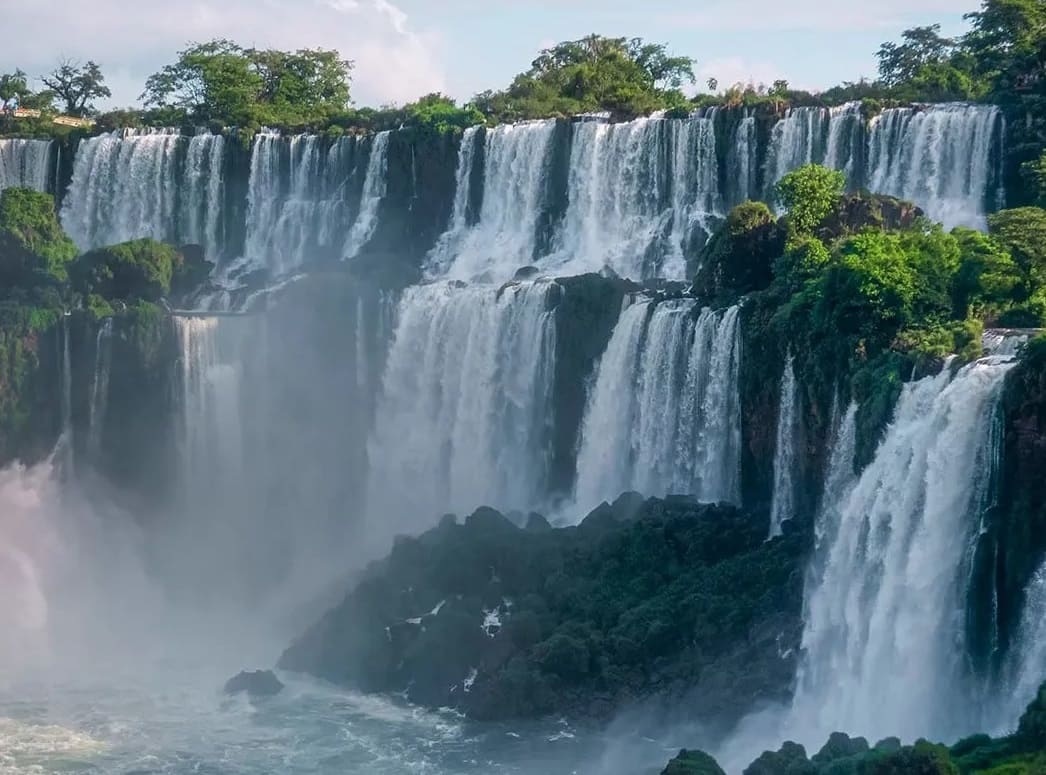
(77, 86)
(224, 82)
(620, 75)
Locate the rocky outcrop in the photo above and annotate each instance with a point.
(255, 684)
(662, 598)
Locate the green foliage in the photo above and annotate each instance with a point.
(222, 81)
(1022, 232)
(627, 77)
(33, 246)
(693, 763)
(809, 194)
(923, 47)
(1035, 179)
(438, 113)
(140, 269)
(77, 86)
(987, 276)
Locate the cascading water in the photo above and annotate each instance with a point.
(799, 138)
(664, 416)
(884, 608)
(146, 183)
(1028, 663)
(25, 164)
(204, 192)
(785, 454)
(938, 156)
(505, 236)
(742, 160)
(100, 388)
(845, 138)
(637, 192)
(374, 189)
(464, 416)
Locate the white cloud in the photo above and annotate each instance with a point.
(809, 14)
(394, 63)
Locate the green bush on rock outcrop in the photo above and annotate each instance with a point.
(33, 248)
(140, 269)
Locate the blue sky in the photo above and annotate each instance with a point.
(405, 48)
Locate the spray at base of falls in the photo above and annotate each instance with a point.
(884, 609)
(664, 415)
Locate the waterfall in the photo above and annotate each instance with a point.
(786, 451)
(25, 164)
(797, 139)
(1028, 663)
(938, 156)
(133, 184)
(884, 606)
(442, 255)
(514, 177)
(65, 442)
(637, 191)
(663, 416)
(742, 159)
(845, 137)
(374, 189)
(103, 358)
(464, 416)
(203, 193)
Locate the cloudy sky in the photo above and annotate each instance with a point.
(405, 48)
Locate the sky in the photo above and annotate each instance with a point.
(403, 49)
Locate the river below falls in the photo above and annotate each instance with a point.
(176, 720)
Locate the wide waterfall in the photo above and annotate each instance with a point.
(786, 451)
(25, 164)
(939, 157)
(464, 418)
(884, 609)
(146, 183)
(304, 200)
(664, 413)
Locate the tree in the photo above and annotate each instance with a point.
(922, 47)
(222, 81)
(14, 84)
(987, 275)
(624, 76)
(1022, 232)
(1007, 37)
(77, 86)
(809, 194)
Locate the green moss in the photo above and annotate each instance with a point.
(140, 269)
(33, 246)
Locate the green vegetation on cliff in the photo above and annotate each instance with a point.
(33, 247)
(1022, 753)
(643, 598)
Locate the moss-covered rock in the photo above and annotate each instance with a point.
(739, 258)
(33, 247)
(139, 269)
(667, 598)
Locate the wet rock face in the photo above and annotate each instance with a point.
(257, 683)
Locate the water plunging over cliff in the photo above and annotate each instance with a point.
(504, 237)
(464, 416)
(25, 164)
(938, 156)
(785, 451)
(884, 609)
(302, 198)
(664, 415)
(103, 361)
(145, 183)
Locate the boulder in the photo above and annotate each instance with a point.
(257, 683)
